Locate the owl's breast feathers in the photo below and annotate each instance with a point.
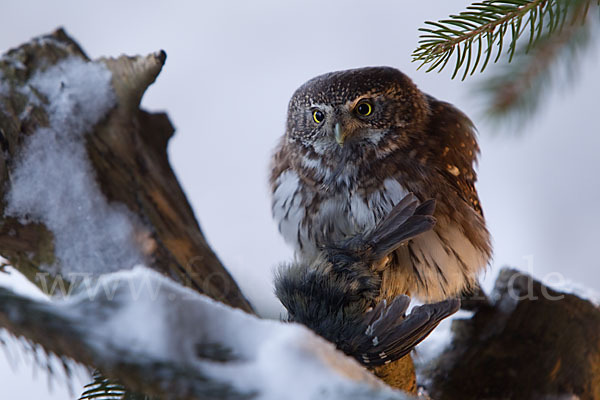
(315, 199)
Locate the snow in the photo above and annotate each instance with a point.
(12, 279)
(4, 91)
(19, 358)
(13, 62)
(4, 87)
(23, 358)
(577, 289)
(147, 316)
(438, 340)
(53, 181)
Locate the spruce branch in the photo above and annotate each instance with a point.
(493, 23)
(517, 89)
(102, 388)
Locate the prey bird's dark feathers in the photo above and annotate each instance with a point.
(336, 295)
(393, 335)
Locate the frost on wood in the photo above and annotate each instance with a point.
(162, 339)
(53, 181)
(86, 183)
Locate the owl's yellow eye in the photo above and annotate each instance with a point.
(318, 116)
(364, 109)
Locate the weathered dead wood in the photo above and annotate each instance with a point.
(128, 153)
(534, 343)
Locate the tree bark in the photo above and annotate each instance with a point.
(128, 153)
(534, 343)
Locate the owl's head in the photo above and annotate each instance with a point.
(355, 108)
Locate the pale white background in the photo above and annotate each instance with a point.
(231, 68)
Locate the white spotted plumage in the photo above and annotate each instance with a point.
(340, 214)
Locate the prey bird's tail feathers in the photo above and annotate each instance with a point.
(406, 220)
(390, 334)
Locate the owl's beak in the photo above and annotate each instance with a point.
(340, 135)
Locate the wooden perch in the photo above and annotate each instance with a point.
(179, 352)
(127, 150)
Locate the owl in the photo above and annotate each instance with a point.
(356, 143)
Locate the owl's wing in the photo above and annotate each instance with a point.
(390, 334)
(406, 220)
(279, 162)
(454, 136)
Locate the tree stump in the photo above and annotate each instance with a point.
(534, 343)
(127, 150)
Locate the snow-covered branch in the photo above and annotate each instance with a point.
(187, 346)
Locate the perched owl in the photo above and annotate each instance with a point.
(356, 143)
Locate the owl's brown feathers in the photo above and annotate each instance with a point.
(334, 177)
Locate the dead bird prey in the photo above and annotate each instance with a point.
(338, 294)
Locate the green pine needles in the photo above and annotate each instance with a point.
(105, 389)
(102, 389)
(480, 34)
